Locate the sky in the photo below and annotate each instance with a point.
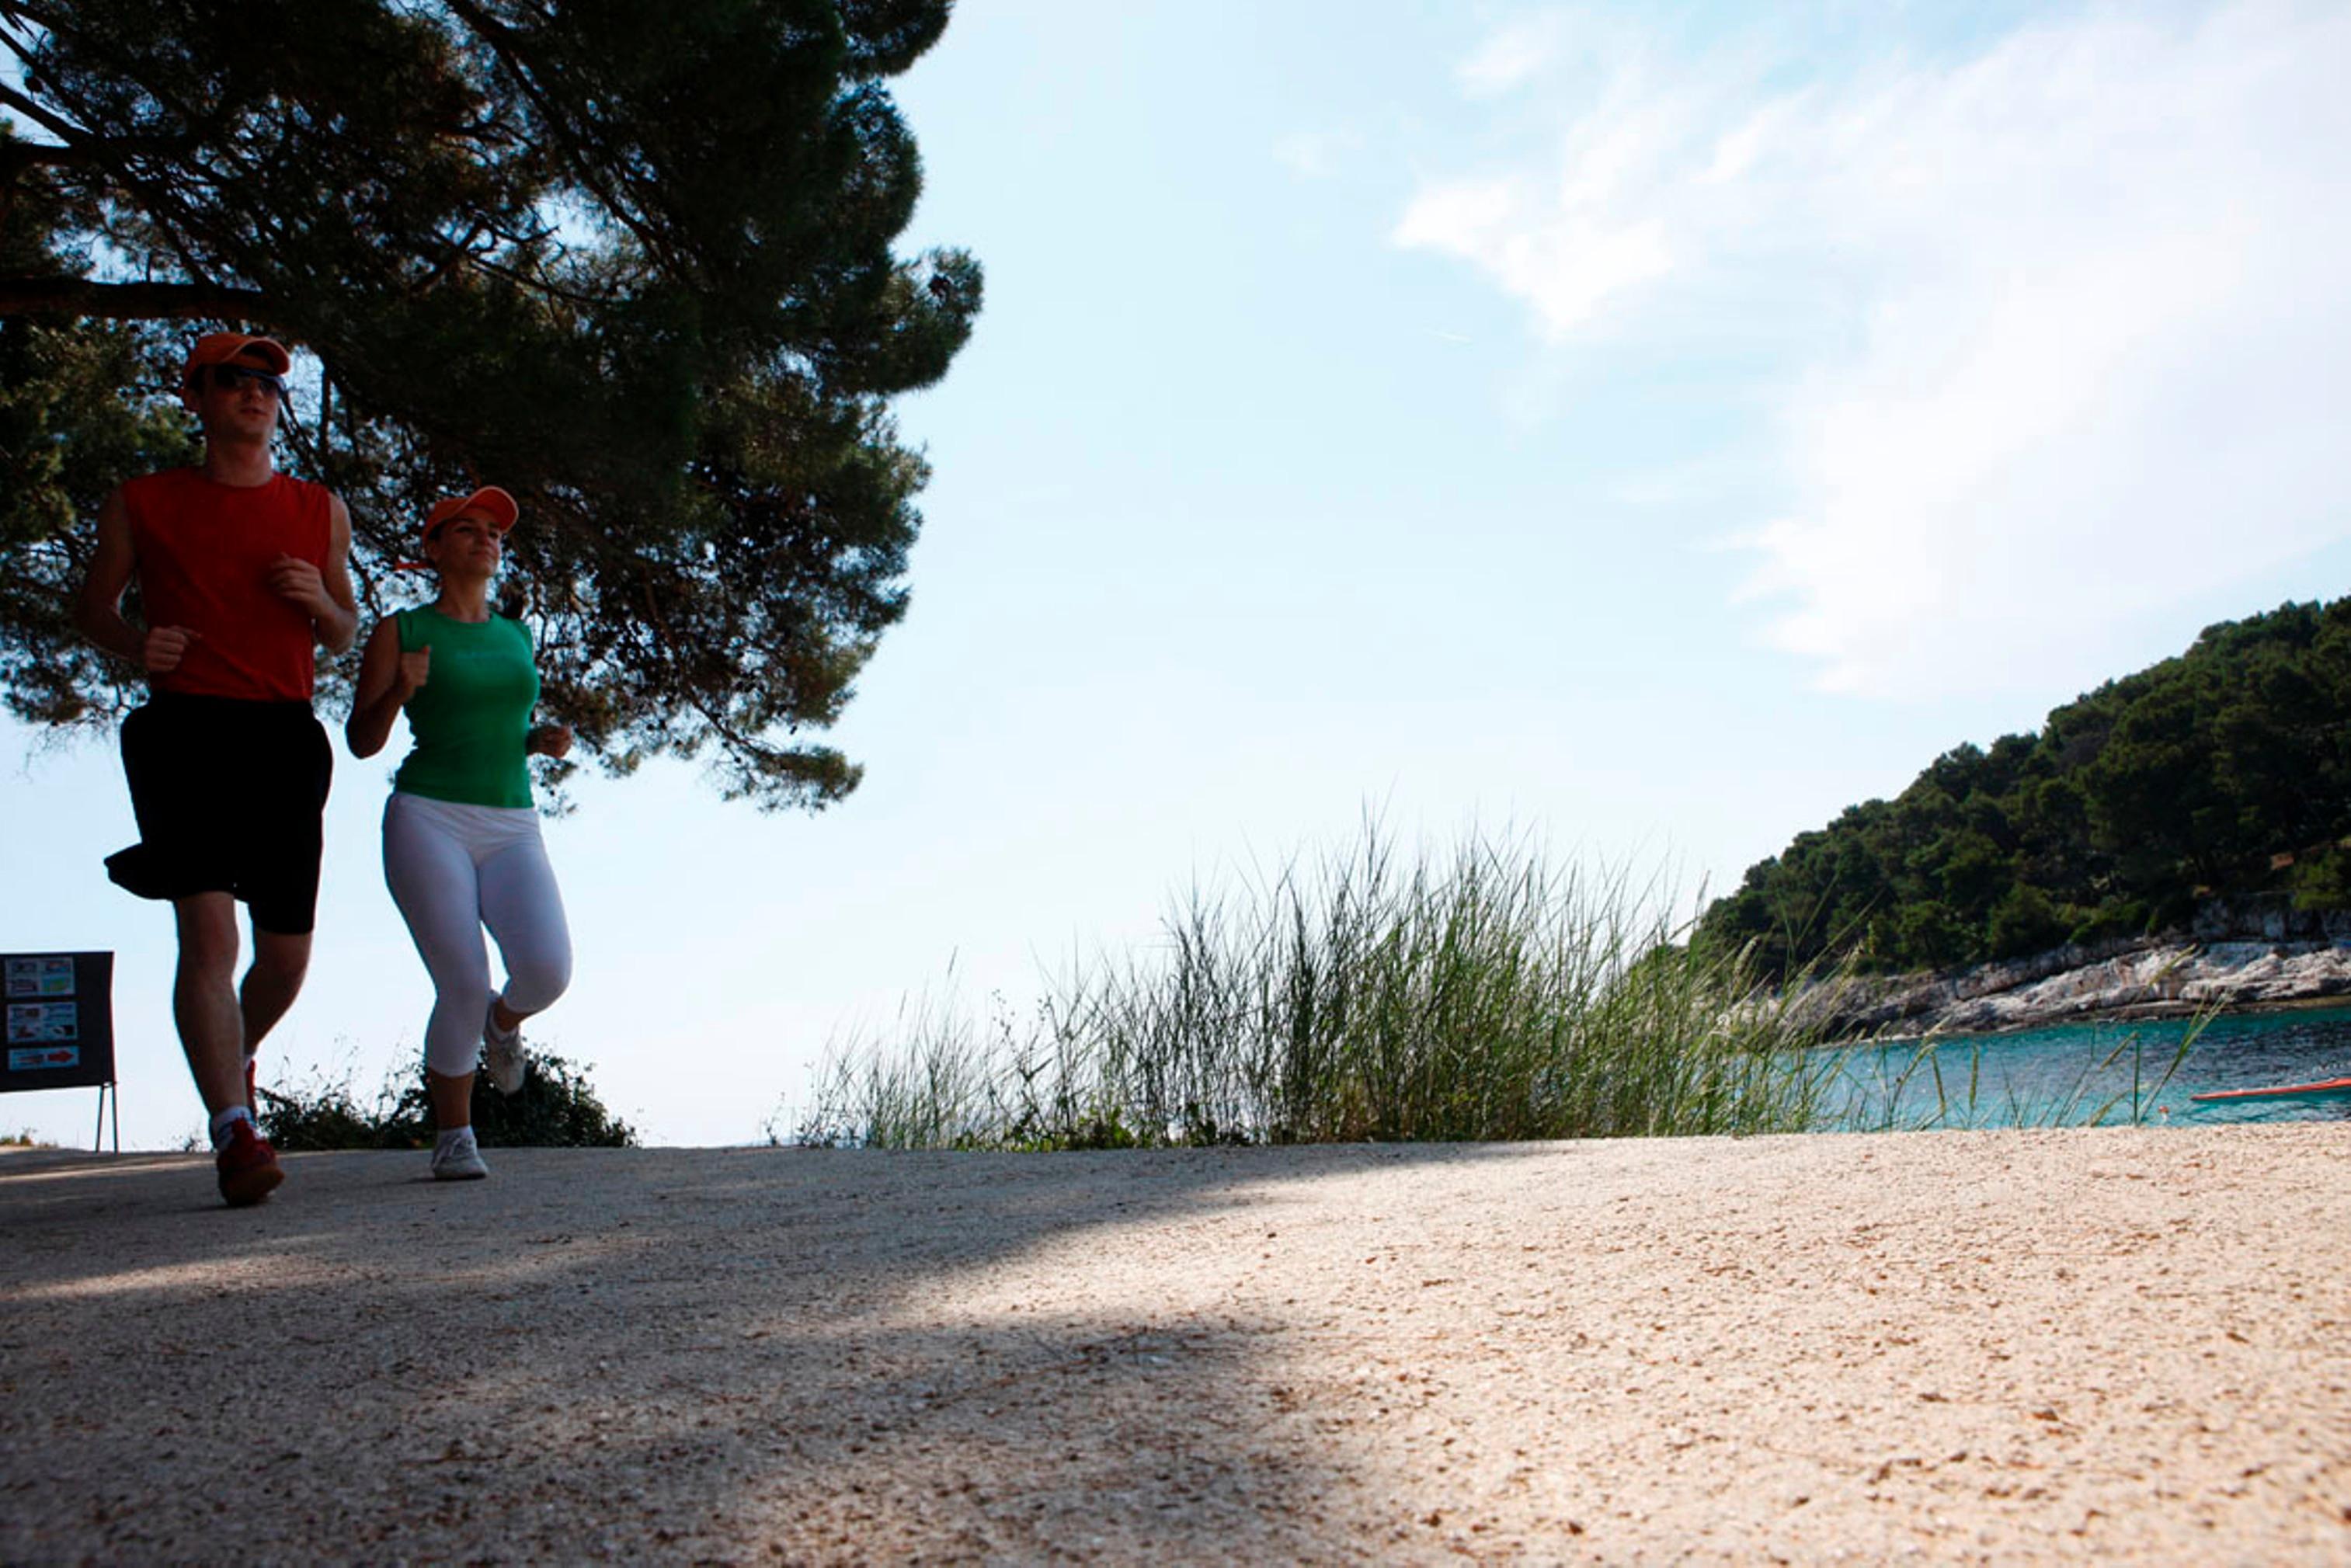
(1643, 429)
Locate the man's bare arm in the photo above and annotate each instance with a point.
(337, 631)
(98, 607)
(324, 591)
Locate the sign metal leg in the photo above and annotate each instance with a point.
(98, 1134)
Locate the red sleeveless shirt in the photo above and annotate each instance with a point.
(204, 552)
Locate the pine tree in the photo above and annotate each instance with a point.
(634, 263)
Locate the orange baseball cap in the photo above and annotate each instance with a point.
(220, 347)
(489, 500)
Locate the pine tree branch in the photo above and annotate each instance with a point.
(116, 156)
(92, 152)
(540, 282)
(504, 43)
(63, 129)
(129, 302)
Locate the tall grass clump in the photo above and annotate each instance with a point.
(1486, 994)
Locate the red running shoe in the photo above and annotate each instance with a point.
(247, 1166)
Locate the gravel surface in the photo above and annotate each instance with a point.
(1996, 1346)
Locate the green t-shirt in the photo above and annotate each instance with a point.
(473, 712)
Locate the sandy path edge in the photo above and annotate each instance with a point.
(1997, 1345)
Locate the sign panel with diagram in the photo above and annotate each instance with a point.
(60, 1020)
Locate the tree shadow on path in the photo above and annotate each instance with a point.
(690, 1355)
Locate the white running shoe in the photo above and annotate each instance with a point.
(502, 1051)
(458, 1158)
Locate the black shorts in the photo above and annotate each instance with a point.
(229, 797)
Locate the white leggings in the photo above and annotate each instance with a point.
(453, 869)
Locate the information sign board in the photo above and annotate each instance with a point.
(60, 1020)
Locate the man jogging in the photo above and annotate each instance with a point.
(241, 573)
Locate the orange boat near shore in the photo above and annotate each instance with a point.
(2317, 1090)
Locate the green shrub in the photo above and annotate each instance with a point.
(554, 1108)
(2321, 880)
(2025, 921)
(326, 1118)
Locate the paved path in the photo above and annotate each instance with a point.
(2009, 1346)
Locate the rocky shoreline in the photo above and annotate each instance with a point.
(2174, 976)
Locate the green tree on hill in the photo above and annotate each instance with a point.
(632, 262)
(2225, 771)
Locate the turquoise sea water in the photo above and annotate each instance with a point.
(2106, 1073)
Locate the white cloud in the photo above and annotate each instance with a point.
(1513, 55)
(2065, 320)
(1563, 264)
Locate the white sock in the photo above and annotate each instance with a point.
(449, 1137)
(227, 1120)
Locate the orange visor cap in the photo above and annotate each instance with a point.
(224, 348)
(489, 500)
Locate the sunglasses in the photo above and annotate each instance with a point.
(236, 378)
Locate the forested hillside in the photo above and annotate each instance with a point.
(2225, 771)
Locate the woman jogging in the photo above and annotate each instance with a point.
(461, 840)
